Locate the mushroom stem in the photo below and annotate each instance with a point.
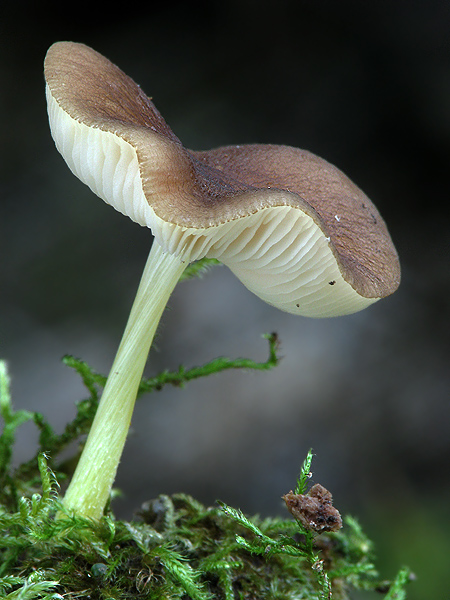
(91, 484)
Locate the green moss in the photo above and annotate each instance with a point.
(176, 548)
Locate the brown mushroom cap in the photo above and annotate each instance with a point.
(291, 226)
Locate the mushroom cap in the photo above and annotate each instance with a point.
(291, 226)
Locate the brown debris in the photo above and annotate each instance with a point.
(314, 510)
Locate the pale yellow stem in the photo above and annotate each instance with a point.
(91, 484)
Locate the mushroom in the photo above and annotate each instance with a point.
(291, 226)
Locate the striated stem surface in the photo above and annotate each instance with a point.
(91, 484)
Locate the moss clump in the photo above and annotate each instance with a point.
(175, 548)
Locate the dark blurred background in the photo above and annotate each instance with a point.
(366, 85)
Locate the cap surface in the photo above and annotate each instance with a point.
(290, 225)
